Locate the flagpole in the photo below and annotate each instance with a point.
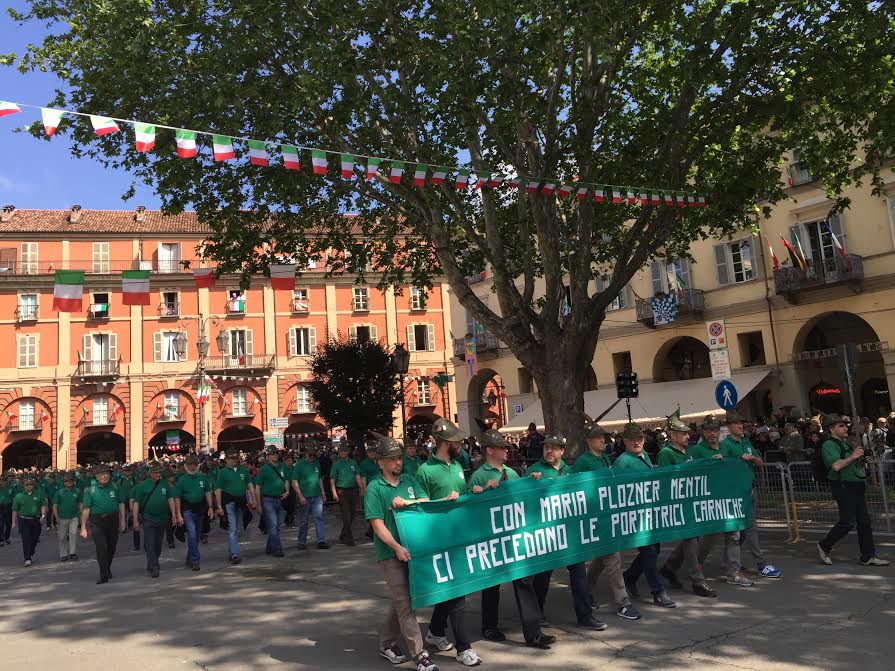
(202, 347)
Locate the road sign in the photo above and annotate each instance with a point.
(273, 439)
(278, 422)
(726, 395)
(719, 359)
(717, 334)
(517, 409)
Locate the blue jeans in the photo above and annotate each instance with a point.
(273, 510)
(313, 505)
(192, 523)
(234, 525)
(153, 533)
(645, 564)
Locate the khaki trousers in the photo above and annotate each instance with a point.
(400, 622)
(612, 564)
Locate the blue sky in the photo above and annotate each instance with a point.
(35, 174)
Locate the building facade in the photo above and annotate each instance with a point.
(785, 322)
(115, 382)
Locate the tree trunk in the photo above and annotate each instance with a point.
(560, 383)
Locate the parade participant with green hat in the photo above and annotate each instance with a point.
(233, 493)
(195, 505)
(411, 461)
(345, 484)
(307, 482)
(271, 489)
(104, 508)
(384, 495)
(6, 494)
(29, 508)
(67, 511)
(153, 501)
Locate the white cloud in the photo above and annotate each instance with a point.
(12, 186)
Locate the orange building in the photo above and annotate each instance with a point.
(114, 381)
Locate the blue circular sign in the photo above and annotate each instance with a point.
(726, 395)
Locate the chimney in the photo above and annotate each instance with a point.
(140, 215)
(74, 214)
(8, 211)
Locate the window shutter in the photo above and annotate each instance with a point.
(293, 342)
(430, 337)
(374, 334)
(312, 339)
(656, 271)
(250, 344)
(113, 347)
(352, 333)
(836, 227)
(20, 346)
(721, 265)
(623, 297)
(411, 338)
(685, 271)
(157, 346)
(88, 347)
(36, 344)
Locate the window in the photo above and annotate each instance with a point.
(815, 240)
(361, 299)
(101, 257)
(171, 410)
(621, 362)
(27, 347)
(26, 415)
(240, 406)
(669, 277)
(170, 306)
(29, 258)
(168, 257)
(363, 333)
(100, 410)
(302, 341)
(417, 298)
(27, 311)
(236, 303)
(526, 382)
(734, 262)
(423, 396)
(99, 305)
(300, 301)
(100, 347)
(620, 302)
(798, 173)
(241, 345)
(163, 347)
(751, 349)
(303, 400)
(421, 337)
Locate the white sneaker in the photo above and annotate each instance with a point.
(824, 556)
(393, 654)
(439, 642)
(27, 562)
(468, 658)
(876, 561)
(425, 664)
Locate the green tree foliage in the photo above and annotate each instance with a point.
(707, 94)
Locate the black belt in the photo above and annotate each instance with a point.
(103, 517)
(25, 517)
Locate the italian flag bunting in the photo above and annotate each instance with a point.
(681, 199)
(582, 193)
(282, 276)
(68, 291)
(145, 133)
(8, 108)
(397, 172)
(480, 182)
(135, 287)
(258, 153)
(186, 143)
(548, 188)
(438, 176)
(565, 190)
(223, 148)
(666, 196)
(514, 182)
(632, 196)
(318, 161)
(204, 277)
(691, 200)
(103, 125)
(372, 167)
(644, 197)
(598, 193)
(290, 157)
(346, 163)
(701, 199)
(51, 119)
(532, 187)
(462, 180)
(616, 195)
(494, 181)
(655, 198)
(419, 175)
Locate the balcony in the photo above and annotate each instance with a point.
(171, 417)
(112, 267)
(485, 342)
(300, 306)
(259, 363)
(239, 414)
(169, 310)
(789, 281)
(98, 311)
(799, 175)
(690, 303)
(26, 313)
(23, 425)
(304, 408)
(98, 370)
(100, 418)
(236, 308)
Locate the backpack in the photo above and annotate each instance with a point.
(821, 472)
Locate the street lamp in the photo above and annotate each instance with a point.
(202, 347)
(401, 364)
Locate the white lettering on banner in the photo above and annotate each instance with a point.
(591, 534)
(712, 510)
(686, 488)
(513, 515)
(447, 562)
(629, 494)
(562, 506)
(647, 519)
(497, 552)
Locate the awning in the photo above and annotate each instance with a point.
(657, 400)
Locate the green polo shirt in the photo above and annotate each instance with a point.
(369, 469)
(67, 502)
(671, 456)
(6, 494)
(307, 475)
(438, 479)
(153, 499)
(832, 451)
(193, 488)
(628, 462)
(233, 481)
(50, 488)
(735, 449)
(589, 461)
(126, 484)
(547, 471)
(378, 506)
(464, 459)
(28, 505)
(410, 465)
(102, 500)
(702, 450)
(272, 480)
(343, 473)
(487, 472)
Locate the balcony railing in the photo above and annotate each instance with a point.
(28, 424)
(90, 267)
(98, 311)
(484, 342)
(239, 414)
(169, 310)
(26, 313)
(296, 408)
(789, 280)
(242, 363)
(101, 368)
(799, 175)
(300, 306)
(236, 307)
(690, 302)
(169, 417)
(100, 419)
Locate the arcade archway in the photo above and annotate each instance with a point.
(299, 433)
(419, 427)
(26, 453)
(244, 437)
(682, 358)
(100, 447)
(172, 441)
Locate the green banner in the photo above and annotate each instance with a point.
(527, 526)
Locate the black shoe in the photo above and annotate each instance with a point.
(155, 572)
(701, 589)
(628, 612)
(663, 600)
(493, 635)
(323, 545)
(631, 586)
(65, 558)
(542, 642)
(671, 578)
(279, 554)
(102, 580)
(196, 567)
(73, 557)
(235, 559)
(171, 546)
(188, 564)
(592, 623)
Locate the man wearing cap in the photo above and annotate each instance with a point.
(195, 505)
(233, 491)
(307, 482)
(152, 502)
(271, 489)
(29, 508)
(369, 471)
(441, 477)
(549, 466)
(635, 459)
(737, 446)
(677, 452)
(345, 483)
(595, 459)
(6, 494)
(290, 505)
(532, 444)
(411, 461)
(490, 476)
(384, 495)
(845, 471)
(104, 507)
(67, 511)
(50, 486)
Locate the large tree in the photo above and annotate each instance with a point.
(707, 95)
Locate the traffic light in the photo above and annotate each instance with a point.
(626, 385)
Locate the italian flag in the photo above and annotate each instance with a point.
(290, 157)
(135, 287)
(8, 108)
(549, 188)
(186, 143)
(565, 190)
(145, 133)
(632, 197)
(282, 276)
(644, 197)
(51, 119)
(68, 291)
(258, 153)
(666, 196)
(103, 125)
(318, 161)
(397, 172)
(480, 182)
(204, 277)
(438, 176)
(701, 199)
(494, 181)
(462, 180)
(203, 393)
(532, 187)
(655, 198)
(372, 167)
(223, 148)
(419, 175)
(347, 164)
(616, 195)
(582, 193)
(681, 199)
(691, 200)
(598, 193)
(514, 182)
